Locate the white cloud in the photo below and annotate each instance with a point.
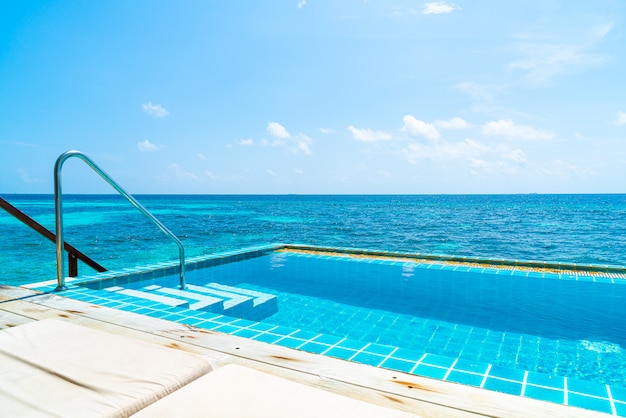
(453, 123)
(516, 155)
(438, 8)
(174, 172)
(271, 173)
(26, 178)
(200, 156)
(439, 151)
(277, 130)
(327, 131)
(506, 127)
(368, 135)
(301, 4)
(157, 111)
(147, 146)
(620, 119)
(416, 127)
(246, 142)
(562, 169)
(544, 59)
(302, 144)
(298, 171)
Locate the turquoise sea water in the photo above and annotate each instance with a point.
(586, 229)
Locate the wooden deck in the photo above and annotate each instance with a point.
(421, 396)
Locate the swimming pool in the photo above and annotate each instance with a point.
(534, 332)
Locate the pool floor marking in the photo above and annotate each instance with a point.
(205, 302)
(611, 401)
(231, 299)
(156, 298)
(259, 297)
(482, 383)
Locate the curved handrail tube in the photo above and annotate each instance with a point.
(58, 209)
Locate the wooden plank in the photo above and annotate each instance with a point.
(10, 292)
(10, 319)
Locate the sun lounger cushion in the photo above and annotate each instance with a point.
(234, 391)
(55, 368)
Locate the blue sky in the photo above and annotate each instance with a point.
(295, 96)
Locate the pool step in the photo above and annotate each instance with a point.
(213, 297)
(202, 302)
(150, 296)
(234, 304)
(264, 304)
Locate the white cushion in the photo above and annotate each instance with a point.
(55, 368)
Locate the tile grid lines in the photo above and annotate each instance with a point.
(565, 389)
(418, 363)
(359, 351)
(267, 331)
(524, 383)
(390, 355)
(445, 377)
(482, 383)
(387, 357)
(288, 335)
(337, 344)
(310, 340)
(611, 401)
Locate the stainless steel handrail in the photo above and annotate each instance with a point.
(58, 209)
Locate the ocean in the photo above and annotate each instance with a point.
(583, 229)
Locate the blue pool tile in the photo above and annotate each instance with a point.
(223, 319)
(384, 350)
(304, 335)
(246, 333)
(504, 386)
(261, 326)
(290, 342)
(327, 339)
(191, 321)
(620, 409)
(544, 394)
(540, 379)
(352, 344)
(430, 371)
(397, 364)
(341, 353)
(587, 388)
(588, 402)
(175, 317)
(470, 379)
(268, 338)
(618, 393)
(283, 330)
(436, 360)
(471, 366)
(411, 355)
(367, 358)
(315, 348)
(242, 323)
(227, 329)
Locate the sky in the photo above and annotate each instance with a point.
(314, 96)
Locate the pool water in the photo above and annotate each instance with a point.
(537, 322)
(549, 336)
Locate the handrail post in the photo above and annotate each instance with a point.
(58, 218)
(58, 209)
